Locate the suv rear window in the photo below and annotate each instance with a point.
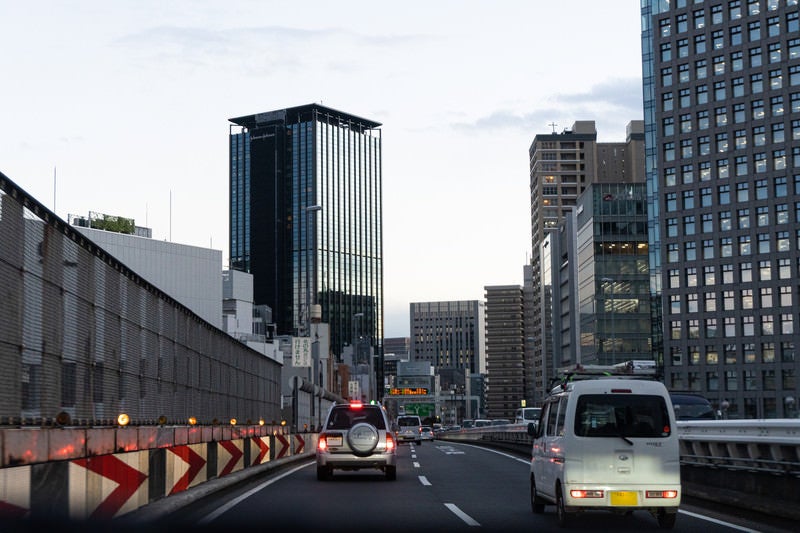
(627, 415)
(346, 417)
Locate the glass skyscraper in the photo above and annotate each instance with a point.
(306, 218)
(722, 128)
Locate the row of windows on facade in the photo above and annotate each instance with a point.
(717, 39)
(724, 246)
(765, 273)
(762, 189)
(757, 107)
(716, 14)
(729, 330)
(744, 220)
(749, 380)
(774, 75)
(768, 297)
(710, 354)
(723, 144)
(738, 111)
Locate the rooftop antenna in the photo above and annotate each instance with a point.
(554, 126)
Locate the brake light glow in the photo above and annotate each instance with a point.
(662, 493)
(586, 493)
(356, 405)
(389, 443)
(322, 444)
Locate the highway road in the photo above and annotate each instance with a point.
(440, 486)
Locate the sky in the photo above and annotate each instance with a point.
(123, 107)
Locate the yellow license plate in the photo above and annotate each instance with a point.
(334, 441)
(624, 498)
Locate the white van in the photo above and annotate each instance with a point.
(409, 428)
(607, 443)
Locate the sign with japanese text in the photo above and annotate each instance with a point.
(301, 351)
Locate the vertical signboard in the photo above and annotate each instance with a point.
(301, 351)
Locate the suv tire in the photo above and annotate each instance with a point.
(363, 438)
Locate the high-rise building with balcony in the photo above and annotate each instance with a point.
(306, 219)
(562, 166)
(722, 127)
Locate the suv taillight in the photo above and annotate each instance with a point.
(322, 444)
(389, 442)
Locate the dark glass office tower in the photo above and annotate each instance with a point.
(722, 129)
(306, 218)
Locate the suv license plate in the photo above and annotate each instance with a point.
(334, 441)
(624, 498)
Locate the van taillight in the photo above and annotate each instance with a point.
(662, 493)
(322, 444)
(586, 493)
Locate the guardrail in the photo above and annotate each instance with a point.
(753, 464)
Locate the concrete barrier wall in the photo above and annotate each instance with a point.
(102, 473)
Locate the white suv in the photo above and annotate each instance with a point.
(356, 436)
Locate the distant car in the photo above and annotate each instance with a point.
(689, 406)
(426, 433)
(356, 436)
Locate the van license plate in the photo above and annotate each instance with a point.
(334, 441)
(624, 498)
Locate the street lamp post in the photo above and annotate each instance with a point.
(613, 317)
(310, 262)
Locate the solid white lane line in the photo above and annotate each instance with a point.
(424, 481)
(461, 514)
(720, 522)
(223, 509)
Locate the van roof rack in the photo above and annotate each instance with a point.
(640, 369)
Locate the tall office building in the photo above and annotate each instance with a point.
(722, 124)
(306, 219)
(562, 166)
(449, 335)
(505, 376)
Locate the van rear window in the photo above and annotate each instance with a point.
(625, 415)
(408, 421)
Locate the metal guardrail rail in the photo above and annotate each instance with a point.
(771, 446)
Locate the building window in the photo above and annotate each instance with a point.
(689, 225)
(731, 380)
(755, 57)
(699, 19)
(754, 31)
(684, 98)
(775, 79)
(708, 222)
(767, 325)
(721, 116)
(743, 218)
(762, 215)
(740, 139)
(726, 247)
(669, 177)
(757, 109)
(763, 243)
(669, 151)
(719, 92)
(742, 192)
(666, 101)
(744, 245)
(675, 304)
(775, 53)
(781, 187)
(701, 69)
(735, 33)
(782, 238)
(727, 274)
(764, 270)
(705, 196)
(765, 298)
(724, 194)
(682, 21)
(787, 324)
(666, 52)
(746, 272)
(709, 276)
(683, 47)
(710, 299)
(741, 165)
(786, 296)
(761, 189)
(776, 106)
(691, 277)
(674, 279)
(738, 87)
(686, 123)
(690, 250)
(778, 133)
(759, 136)
(722, 169)
(756, 83)
(704, 145)
(719, 65)
(779, 159)
(716, 14)
(739, 115)
(748, 326)
(702, 120)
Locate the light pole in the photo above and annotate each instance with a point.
(613, 317)
(310, 261)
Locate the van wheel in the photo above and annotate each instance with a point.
(537, 504)
(666, 520)
(561, 510)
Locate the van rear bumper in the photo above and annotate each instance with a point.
(621, 497)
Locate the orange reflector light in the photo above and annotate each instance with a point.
(586, 493)
(662, 493)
